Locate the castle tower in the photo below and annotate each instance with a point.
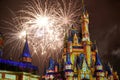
(51, 70)
(109, 72)
(68, 69)
(85, 34)
(99, 69)
(26, 56)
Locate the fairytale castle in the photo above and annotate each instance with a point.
(80, 59)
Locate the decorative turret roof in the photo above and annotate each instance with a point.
(99, 67)
(98, 62)
(26, 51)
(51, 64)
(68, 61)
(83, 7)
(109, 69)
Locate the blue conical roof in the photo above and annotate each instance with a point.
(26, 51)
(98, 62)
(68, 61)
(51, 64)
(108, 68)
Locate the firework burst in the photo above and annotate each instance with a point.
(44, 22)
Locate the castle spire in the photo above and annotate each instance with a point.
(68, 68)
(83, 7)
(26, 56)
(99, 68)
(98, 62)
(75, 39)
(68, 61)
(109, 69)
(51, 64)
(51, 70)
(84, 23)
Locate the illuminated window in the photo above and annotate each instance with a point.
(10, 76)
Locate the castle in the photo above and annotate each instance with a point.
(80, 59)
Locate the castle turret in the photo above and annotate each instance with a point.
(84, 23)
(51, 70)
(68, 68)
(85, 34)
(98, 69)
(26, 56)
(109, 72)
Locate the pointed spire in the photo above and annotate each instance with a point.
(109, 69)
(99, 68)
(83, 7)
(26, 51)
(51, 64)
(98, 62)
(68, 61)
(75, 39)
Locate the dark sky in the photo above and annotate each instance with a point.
(104, 25)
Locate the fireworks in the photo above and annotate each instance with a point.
(22, 34)
(44, 22)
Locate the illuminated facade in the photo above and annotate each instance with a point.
(22, 70)
(80, 59)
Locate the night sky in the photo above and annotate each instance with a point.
(104, 26)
